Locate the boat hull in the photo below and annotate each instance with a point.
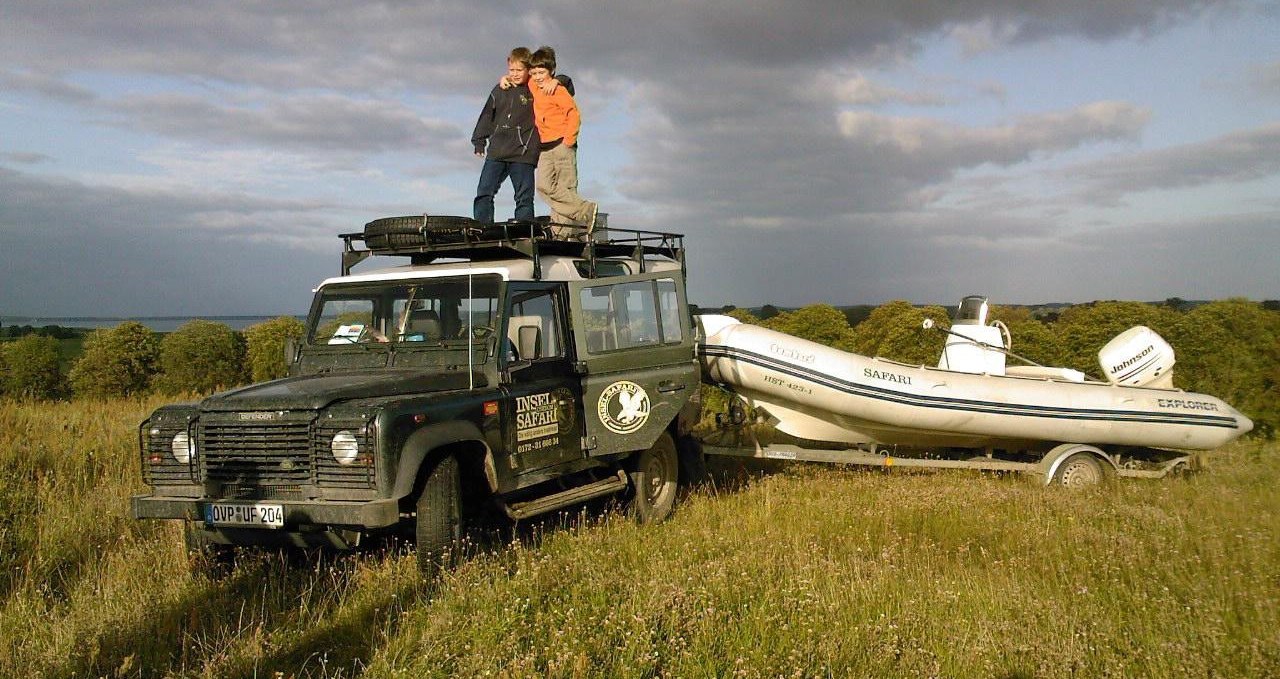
(815, 392)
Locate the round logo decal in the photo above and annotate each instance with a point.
(623, 407)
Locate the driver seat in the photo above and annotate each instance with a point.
(423, 326)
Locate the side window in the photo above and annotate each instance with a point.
(628, 315)
(535, 315)
(669, 306)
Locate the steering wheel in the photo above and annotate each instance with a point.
(1004, 334)
(475, 331)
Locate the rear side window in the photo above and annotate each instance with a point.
(630, 315)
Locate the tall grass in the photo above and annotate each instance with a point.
(803, 571)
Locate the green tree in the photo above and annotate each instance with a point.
(32, 368)
(265, 351)
(201, 356)
(1034, 340)
(120, 361)
(1231, 349)
(821, 323)
(1084, 329)
(894, 331)
(744, 316)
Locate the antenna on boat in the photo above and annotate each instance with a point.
(930, 324)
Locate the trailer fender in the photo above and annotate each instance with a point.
(1054, 458)
(431, 437)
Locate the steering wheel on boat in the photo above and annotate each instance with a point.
(1004, 334)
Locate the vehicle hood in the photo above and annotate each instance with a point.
(317, 391)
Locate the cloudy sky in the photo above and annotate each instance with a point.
(168, 158)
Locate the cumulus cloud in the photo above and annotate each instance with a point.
(45, 85)
(323, 122)
(1003, 144)
(23, 157)
(72, 248)
(1236, 157)
(1265, 78)
(743, 118)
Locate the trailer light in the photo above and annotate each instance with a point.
(182, 447)
(345, 447)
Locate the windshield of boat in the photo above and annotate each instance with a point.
(425, 313)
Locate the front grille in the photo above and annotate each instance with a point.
(256, 452)
(236, 491)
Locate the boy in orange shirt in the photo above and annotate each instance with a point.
(557, 119)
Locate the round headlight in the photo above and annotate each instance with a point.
(183, 447)
(345, 447)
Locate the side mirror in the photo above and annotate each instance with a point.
(529, 342)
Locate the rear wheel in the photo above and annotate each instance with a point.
(654, 473)
(438, 525)
(1080, 470)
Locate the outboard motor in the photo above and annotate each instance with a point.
(1138, 357)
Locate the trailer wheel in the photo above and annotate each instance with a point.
(1080, 470)
(438, 525)
(654, 473)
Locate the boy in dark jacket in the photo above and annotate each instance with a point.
(506, 128)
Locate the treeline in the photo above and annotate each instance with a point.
(1228, 348)
(132, 360)
(54, 331)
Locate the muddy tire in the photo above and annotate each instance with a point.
(654, 474)
(1081, 470)
(438, 525)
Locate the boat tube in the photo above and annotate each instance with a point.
(815, 392)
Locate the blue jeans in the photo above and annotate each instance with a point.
(492, 175)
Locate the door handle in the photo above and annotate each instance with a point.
(666, 387)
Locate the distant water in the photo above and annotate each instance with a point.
(157, 323)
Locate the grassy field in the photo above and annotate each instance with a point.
(802, 571)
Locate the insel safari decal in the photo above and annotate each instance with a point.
(541, 419)
(623, 407)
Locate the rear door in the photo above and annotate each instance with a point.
(635, 346)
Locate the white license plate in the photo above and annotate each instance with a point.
(257, 515)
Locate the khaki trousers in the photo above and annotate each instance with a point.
(558, 185)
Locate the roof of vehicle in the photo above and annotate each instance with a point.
(553, 268)
(515, 250)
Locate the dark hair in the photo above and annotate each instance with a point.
(545, 57)
(520, 54)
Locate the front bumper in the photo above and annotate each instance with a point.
(378, 513)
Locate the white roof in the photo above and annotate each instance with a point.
(554, 268)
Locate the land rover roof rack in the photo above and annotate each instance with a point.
(426, 238)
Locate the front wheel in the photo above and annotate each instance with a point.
(654, 473)
(438, 525)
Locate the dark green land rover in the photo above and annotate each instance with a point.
(494, 369)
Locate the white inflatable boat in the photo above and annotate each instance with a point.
(972, 400)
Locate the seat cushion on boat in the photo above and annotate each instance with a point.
(1044, 371)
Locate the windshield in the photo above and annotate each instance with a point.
(424, 313)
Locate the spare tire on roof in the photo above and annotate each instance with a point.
(418, 230)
